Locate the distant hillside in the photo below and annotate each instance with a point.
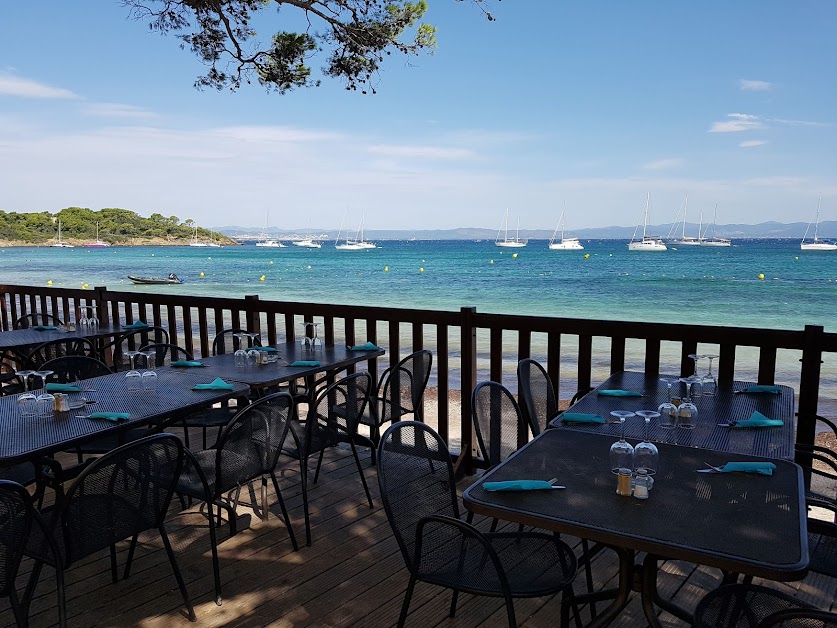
(762, 230)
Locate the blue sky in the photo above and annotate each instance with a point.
(591, 104)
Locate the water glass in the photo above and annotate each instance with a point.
(668, 415)
(240, 357)
(687, 413)
(710, 382)
(45, 405)
(27, 405)
(149, 381)
(693, 386)
(252, 357)
(133, 381)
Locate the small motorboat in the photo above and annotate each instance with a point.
(172, 278)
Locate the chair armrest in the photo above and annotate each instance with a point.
(193, 461)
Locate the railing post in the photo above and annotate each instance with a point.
(253, 319)
(101, 305)
(809, 387)
(467, 382)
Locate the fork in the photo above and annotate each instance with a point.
(715, 469)
(553, 481)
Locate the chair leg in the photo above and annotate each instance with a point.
(113, 571)
(213, 543)
(20, 613)
(360, 470)
(130, 557)
(453, 600)
(284, 511)
(176, 571)
(264, 498)
(204, 437)
(29, 591)
(319, 464)
(303, 469)
(405, 607)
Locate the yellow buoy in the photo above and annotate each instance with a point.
(153, 254)
(386, 269)
(586, 256)
(202, 275)
(84, 286)
(271, 262)
(308, 267)
(797, 257)
(514, 255)
(262, 278)
(421, 270)
(761, 275)
(49, 283)
(491, 262)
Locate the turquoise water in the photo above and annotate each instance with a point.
(702, 286)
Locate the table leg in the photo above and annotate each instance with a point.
(650, 597)
(619, 595)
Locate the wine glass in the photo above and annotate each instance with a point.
(646, 454)
(24, 376)
(695, 392)
(686, 414)
(133, 381)
(240, 357)
(709, 384)
(622, 452)
(45, 405)
(83, 321)
(43, 375)
(132, 358)
(619, 415)
(26, 401)
(693, 383)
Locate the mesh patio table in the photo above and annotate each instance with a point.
(28, 438)
(745, 523)
(726, 405)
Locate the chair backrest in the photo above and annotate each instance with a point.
(15, 523)
(166, 353)
(416, 478)
(36, 318)
(227, 341)
(73, 368)
(250, 444)
(133, 340)
(536, 394)
(800, 618)
(500, 428)
(402, 386)
(337, 409)
(58, 349)
(10, 383)
(125, 492)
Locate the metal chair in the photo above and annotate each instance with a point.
(500, 428)
(117, 497)
(53, 349)
(36, 318)
(166, 353)
(133, 340)
(802, 618)
(226, 341)
(331, 420)
(400, 392)
(536, 394)
(248, 449)
(746, 606)
(418, 491)
(73, 368)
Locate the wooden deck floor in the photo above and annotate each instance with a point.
(352, 575)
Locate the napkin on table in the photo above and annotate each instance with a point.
(53, 387)
(215, 384)
(45, 328)
(763, 388)
(306, 363)
(580, 417)
(619, 393)
(762, 468)
(186, 363)
(757, 419)
(265, 349)
(109, 416)
(137, 325)
(517, 485)
(367, 346)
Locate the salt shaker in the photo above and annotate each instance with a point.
(642, 484)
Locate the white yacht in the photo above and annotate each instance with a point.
(506, 242)
(564, 244)
(265, 241)
(647, 243)
(98, 244)
(308, 243)
(685, 240)
(817, 244)
(715, 240)
(61, 244)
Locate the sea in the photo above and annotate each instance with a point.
(765, 283)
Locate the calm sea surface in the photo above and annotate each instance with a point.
(689, 285)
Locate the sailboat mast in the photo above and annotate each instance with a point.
(645, 219)
(817, 224)
(685, 209)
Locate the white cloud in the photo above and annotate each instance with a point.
(737, 122)
(280, 134)
(116, 110)
(664, 164)
(799, 122)
(774, 182)
(25, 88)
(752, 143)
(430, 152)
(754, 86)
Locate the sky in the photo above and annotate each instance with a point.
(584, 105)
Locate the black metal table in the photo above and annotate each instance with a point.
(737, 522)
(24, 439)
(17, 338)
(772, 442)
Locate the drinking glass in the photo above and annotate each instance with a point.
(252, 357)
(133, 381)
(620, 416)
(43, 376)
(24, 376)
(150, 359)
(27, 405)
(132, 358)
(709, 384)
(83, 321)
(646, 454)
(622, 453)
(686, 414)
(693, 383)
(45, 405)
(149, 381)
(697, 379)
(668, 415)
(240, 357)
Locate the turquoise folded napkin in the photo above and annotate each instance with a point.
(619, 393)
(45, 328)
(306, 363)
(762, 388)
(580, 417)
(215, 384)
(266, 349)
(367, 346)
(137, 325)
(187, 363)
(757, 419)
(762, 468)
(109, 416)
(51, 387)
(517, 485)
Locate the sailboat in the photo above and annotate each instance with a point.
(265, 241)
(308, 243)
(98, 244)
(358, 243)
(715, 240)
(61, 244)
(817, 244)
(195, 241)
(648, 243)
(685, 240)
(565, 244)
(516, 243)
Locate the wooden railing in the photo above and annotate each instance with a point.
(467, 345)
